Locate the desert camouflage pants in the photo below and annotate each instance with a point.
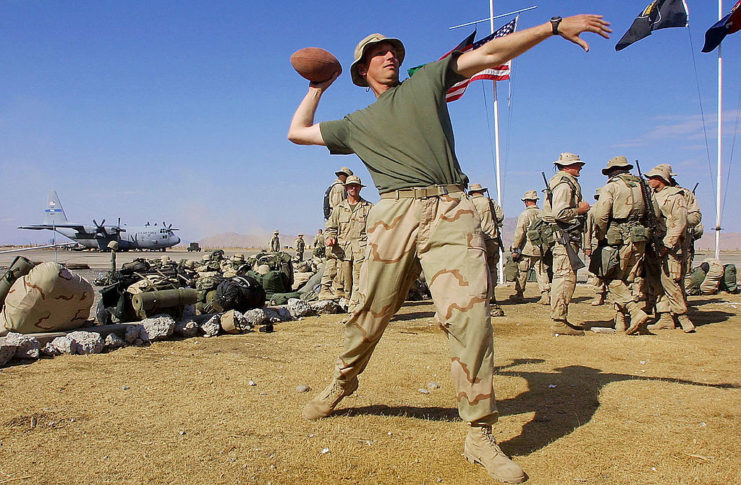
(541, 273)
(666, 283)
(492, 260)
(329, 275)
(564, 282)
(348, 275)
(442, 236)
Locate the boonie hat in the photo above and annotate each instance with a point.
(359, 80)
(113, 245)
(353, 180)
(667, 167)
(616, 162)
(567, 158)
(343, 171)
(662, 171)
(476, 188)
(530, 195)
(276, 232)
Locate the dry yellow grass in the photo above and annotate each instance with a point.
(600, 409)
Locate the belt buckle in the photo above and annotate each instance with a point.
(442, 190)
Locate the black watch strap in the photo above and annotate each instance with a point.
(555, 21)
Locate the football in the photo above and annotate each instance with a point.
(315, 64)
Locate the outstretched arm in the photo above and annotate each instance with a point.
(502, 49)
(303, 130)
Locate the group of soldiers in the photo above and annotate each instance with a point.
(638, 235)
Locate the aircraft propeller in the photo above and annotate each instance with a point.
(100, 228)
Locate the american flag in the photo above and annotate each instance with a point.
(496, 73)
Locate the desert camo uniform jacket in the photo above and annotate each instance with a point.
(347, 224)
(589, 240)
(566, 195)
(337, 194)
(694, 216)
(491, 215)
(673, 221)
(520, 240)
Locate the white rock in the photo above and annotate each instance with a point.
(303, 388)
(186, 328)
(113, 341)
(211, 327)
(323, 307)
(26, 347)
(159, 327)
(433, 385)
(256, 316)
(85, 343)
(60, 345)
(423, 391)
(299, 308)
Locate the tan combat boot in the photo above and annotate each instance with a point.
(562, 327)
(620, 325)
(665, 322)
(482, 448)
(686, 323)
(324, 403)
(598, 300)
(637, 318)
(545, 298)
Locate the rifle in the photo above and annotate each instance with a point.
(560, 234)
(655, 242)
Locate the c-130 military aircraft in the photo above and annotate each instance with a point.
(97, 236)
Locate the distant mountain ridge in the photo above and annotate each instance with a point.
(729, 241)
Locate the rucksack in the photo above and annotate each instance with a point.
(278, 262)
(729, 282)
(540, 232)
(327, 206)
(240, 293)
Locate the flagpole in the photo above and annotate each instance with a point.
(720, 141)
(496, 149)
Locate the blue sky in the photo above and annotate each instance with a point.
(178, 110)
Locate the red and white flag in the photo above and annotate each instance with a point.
(496, 73)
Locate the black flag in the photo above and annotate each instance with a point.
(660, 14)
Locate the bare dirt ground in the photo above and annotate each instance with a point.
(602, 409)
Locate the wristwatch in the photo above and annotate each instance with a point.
(555, 21)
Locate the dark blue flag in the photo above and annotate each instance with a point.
(660, 14)
(727, 25)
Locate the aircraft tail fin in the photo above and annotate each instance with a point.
(54, 213)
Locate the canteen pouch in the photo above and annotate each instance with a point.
(639, 234)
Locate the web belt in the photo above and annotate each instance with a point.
(422, 192)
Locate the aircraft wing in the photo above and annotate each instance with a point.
(38, 227)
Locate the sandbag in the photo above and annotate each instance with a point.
(17, 269)
(48, 298)
(711, 283)
(240, 293)
(729, 282)
(172, 302)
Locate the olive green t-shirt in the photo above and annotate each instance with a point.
(405, 138)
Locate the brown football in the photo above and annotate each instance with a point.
(315, 64)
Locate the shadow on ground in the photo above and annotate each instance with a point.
(562, 401)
